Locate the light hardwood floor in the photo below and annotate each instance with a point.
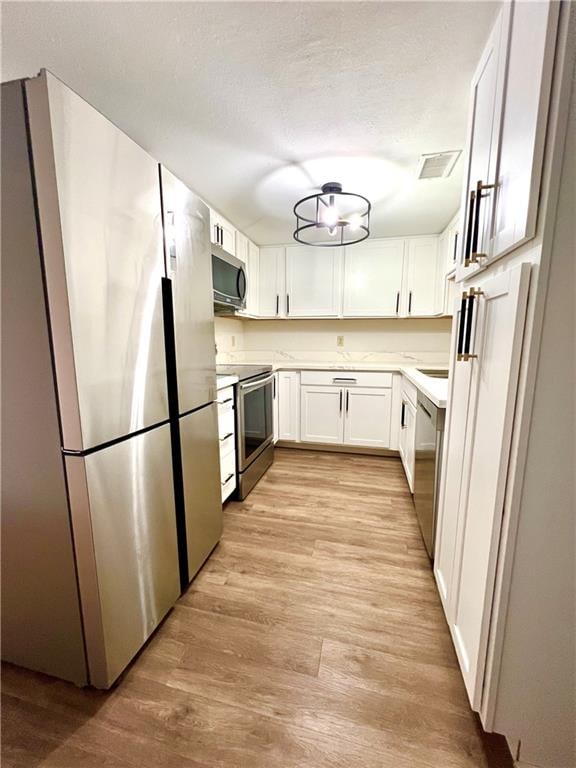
(313, 637)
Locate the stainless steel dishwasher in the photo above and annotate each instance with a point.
(427, 468)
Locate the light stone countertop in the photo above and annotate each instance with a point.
(225, 381)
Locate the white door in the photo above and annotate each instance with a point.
(367, 416)
(373, 278)
(482, 144)
(270, 287)
(313, 277)
(288, 395)
(498, 332)
(322, 414)
(424, 278)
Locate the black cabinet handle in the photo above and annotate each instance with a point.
(287, 303)
(229, 476)
(277, 303)
(403, 415)
(461, 326)
(455, 247)
(347, 399)
(469, 317)
(469, 225)
(340, 401)
(397, 301)
(226, 436)
(274, 388)
(410, 302)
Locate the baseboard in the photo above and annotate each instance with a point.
(359, 450)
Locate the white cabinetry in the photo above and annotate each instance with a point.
(313, 277)
(367, 417)
(407, 436)
(477, 443)
(227, 436)
(288, 393)
(423, 293)
(222, 232)
(321, 420)
(252, 278)
(349, 409)
(271, 282)
(276, 400)
(373, 278)
(509, 104)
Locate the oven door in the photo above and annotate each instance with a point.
(255, 429)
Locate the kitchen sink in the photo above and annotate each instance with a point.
(435, 373)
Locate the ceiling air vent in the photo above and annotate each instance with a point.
(438, 165)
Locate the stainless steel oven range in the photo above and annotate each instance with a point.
(254, 394)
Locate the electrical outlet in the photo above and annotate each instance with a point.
(233, 341)
(339, 341)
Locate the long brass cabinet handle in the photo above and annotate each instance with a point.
(480, 192)
(461, 327)
(465, 325)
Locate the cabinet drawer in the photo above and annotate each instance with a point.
(227, 444)
(408, 391)
(225, 398)
(225, 422)
(228, 488)
(347, 378)
(227, 467)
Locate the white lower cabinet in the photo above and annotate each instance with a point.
(407, 437)
(349, 409)
(483, 386)
(227, 436)
(275, 402)
(321, 420)
(367, 417)
(288, 396)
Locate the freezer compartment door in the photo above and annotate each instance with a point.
(100, 217)
(124, 520)
(189, 265)
(202, 496)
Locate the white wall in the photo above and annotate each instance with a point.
(316, 340)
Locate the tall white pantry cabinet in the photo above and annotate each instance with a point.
(505, 559)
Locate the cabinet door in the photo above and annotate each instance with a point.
(498, 330)
(407, 439)
(275, 409)
(424, 278)
(528, 77)
(367, 417)
(252, 278)
(313, 277)
(222, 232)
(482, 143)
(241, 244)
(288, 394)
(373, 278)
(322, 414)
(270, 287)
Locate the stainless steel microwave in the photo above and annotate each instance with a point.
(228, 280)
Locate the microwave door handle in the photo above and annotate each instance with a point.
(241, 284)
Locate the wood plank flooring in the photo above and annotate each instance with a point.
(313, 637)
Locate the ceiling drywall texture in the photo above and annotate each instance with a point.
(255, 104)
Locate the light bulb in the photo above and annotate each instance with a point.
(355, 221)
(330, 216)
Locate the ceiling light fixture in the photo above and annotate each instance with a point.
(332, 217)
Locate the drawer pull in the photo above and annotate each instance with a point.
(339, 379)
(226, 436)
(223, 402)
(227, 479)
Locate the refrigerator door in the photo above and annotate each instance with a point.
(202, 497)
(122, 507)
(189, 265)
(100, 218)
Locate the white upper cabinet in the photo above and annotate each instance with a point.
(509, 105)
(271, 282)
(530, 59)
(222, 232)
(313, 281)
(373, 278)
(483, 128)
(424, 284)
(253, 278)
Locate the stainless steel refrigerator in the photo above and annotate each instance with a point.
(92, 521)
(191, 355)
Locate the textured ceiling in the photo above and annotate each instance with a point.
(254, 104)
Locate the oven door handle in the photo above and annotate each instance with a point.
(256, 384)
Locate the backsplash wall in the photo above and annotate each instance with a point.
(364, 340)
